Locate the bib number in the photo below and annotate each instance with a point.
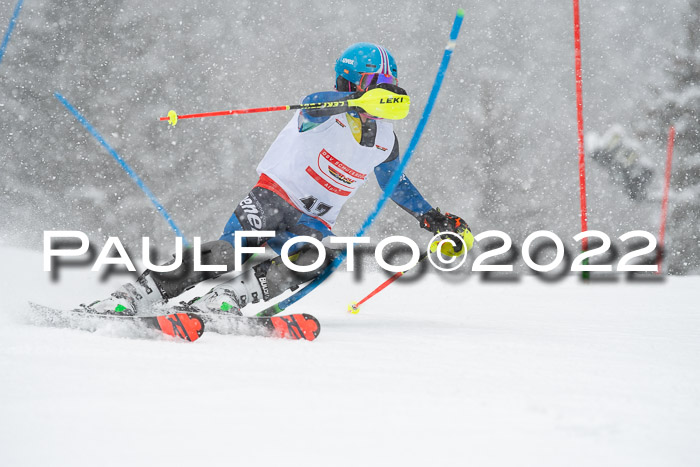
(315, 207)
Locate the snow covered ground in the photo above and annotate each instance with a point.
(429, 373)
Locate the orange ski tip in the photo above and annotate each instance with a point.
(298, 326)
(187, 326)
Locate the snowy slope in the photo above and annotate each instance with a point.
(431, 373)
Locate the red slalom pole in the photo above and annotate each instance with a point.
(579, 117)
(664, 202)
(355, 306)
(224, 112)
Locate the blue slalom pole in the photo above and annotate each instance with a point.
(13, 21)
(393, 181)
(122, 163)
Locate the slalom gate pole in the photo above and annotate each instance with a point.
(10, 28)
(393, 182)
(664, 202)
(579, 118)
(122, 163)
(355, 306)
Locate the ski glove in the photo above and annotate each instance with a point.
(388, 86)
(439, 223)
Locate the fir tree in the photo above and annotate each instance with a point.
(678, 105)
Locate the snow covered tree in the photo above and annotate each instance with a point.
(678, 104)
(621, 155)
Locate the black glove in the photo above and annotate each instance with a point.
(389, 87)
(328, 111)
(439, 223)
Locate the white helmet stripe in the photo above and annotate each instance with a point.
(385, 60)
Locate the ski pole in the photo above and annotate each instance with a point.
(354, 307)
(378, 102)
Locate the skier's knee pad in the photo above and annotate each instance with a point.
(217, 252)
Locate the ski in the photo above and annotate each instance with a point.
(185, 326)
(300, 326)
(181, 323)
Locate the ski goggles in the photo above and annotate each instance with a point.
(369, 79)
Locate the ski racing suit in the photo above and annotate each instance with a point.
(314, 166)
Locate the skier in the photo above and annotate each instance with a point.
(318, 162)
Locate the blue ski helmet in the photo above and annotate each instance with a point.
(361, 58)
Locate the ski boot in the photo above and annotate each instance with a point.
(230, 296)
(130, 299)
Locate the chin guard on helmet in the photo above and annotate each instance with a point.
(343, 85)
